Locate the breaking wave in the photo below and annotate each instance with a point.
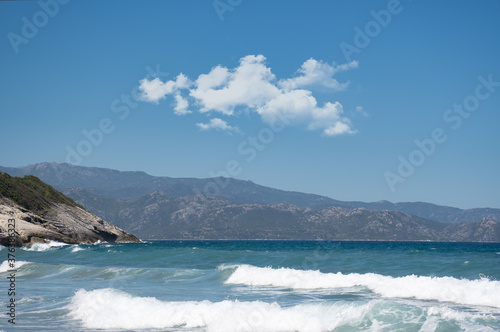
(44, 246)
(481, 292)
(112, 309)
(5, 266)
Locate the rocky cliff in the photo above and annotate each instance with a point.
(41, 213)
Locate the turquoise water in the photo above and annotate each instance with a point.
(256, 286)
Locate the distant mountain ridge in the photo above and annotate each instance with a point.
(158, 216)
(134, 184)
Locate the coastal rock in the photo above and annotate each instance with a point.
(62, 223)
(31, 211)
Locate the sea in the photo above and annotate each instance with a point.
(252, 286)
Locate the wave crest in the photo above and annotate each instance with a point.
(44, 246)
(482, 292)
(113, 309)
(5, 266)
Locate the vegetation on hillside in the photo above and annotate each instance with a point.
(32, 193)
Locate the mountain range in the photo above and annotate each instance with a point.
(222, 208)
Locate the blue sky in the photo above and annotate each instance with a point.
(192, 89)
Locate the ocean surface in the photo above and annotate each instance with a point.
(254, 286)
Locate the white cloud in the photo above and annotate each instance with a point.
(181, 106)
(215, 78)
(338, 129)
(154, 90)
(346, 66)
(295, 105)
(217, 124)
(182, 82)
(317, 73)
(251, 86)
(299, 106)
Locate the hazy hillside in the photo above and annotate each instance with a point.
(117, 184)
(158, 216)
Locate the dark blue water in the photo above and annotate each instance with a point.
(257, 286)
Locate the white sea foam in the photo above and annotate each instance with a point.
(452, 314)
(466, 321)
(113, 309)
(482, 292)
(29, 299)
(5, 266)
(77, 248)
(45, 246)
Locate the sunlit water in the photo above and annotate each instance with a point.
(255, 286)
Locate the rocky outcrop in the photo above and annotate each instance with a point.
(62, 223)
(33, 211)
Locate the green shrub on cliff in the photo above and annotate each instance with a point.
(31, 193)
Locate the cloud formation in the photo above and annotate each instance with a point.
(251, 86)
(217, 124)
(318, 73)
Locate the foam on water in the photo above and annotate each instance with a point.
(482, 292)
(168, 288)
(112, 309)
(4, 267)
(436, 316)
(45, 246)
(77, 248)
